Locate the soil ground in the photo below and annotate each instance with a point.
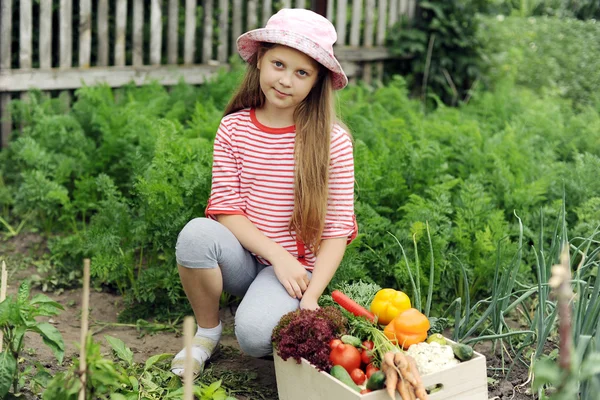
(256, 377)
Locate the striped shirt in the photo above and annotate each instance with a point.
(253, 175)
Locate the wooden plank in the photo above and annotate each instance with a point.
(45, 38)
(223, 47)
(172, 35)
(120, 32)
(207, 41)
(65, 35)
(286, 4)
(403, 9)
(138, 32)
(155, 32)
(267, 11)
(57, 79)
(329, 10)
(85, 33)
(251, 16)
(102, 34)
(25, 33)
(356, 20)
(5, 34)
(5, 64)
(368, 40)
(361, 54)
(381, 31)
(412, 5)
(393, 15)
(302, 3)
(189, 44)
(236, 27)
(340, 21)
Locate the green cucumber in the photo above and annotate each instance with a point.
(351, 340)
(463, 352)
(340, 373)
(376, 381)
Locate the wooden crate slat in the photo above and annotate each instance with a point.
(138, 33)
(85, 33)
(25, 33)
(173, 34)
(302, 3)
(286, 4)
(102, 32)
(329, 10)
(56, 79)
(223, 47)
(403, 9)
(155, 32)
(66, 30)
(207, 31)
(6, 119)
(6, 33)
(412, 5)
(368, 40)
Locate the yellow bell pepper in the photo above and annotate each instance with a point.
(388, 303)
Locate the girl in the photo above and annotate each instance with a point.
(281, 209)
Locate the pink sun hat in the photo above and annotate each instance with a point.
(303, 30)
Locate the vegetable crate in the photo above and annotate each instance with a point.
(464, 381)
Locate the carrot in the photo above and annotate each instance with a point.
(350, 305)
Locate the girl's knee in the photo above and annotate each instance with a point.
(253, 337)
(195, 243)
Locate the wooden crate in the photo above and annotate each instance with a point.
(465, 381)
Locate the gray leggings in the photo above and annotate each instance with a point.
(205, 243)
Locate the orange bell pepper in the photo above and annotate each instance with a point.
(408, 328)
(388, 303)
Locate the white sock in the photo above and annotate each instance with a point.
(205, 343)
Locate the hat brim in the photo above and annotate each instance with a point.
(249, 42)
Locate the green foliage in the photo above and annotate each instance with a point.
(17, 317)
(444, 47)
(557, 56)
(122, 378)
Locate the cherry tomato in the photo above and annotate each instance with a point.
(366, 356)
(358, 376)
(345, 355)
(368, 344)
(365, 391)
(371, 369)
(334, 343)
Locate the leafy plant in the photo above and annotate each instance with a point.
(17, 316)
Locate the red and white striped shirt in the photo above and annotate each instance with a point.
(253, 175)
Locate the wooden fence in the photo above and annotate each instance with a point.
(131, 53)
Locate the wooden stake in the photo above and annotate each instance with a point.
(188, 374)
(85, 305)
(3, 296)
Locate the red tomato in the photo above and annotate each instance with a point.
(334, 343)
(368, 344)
(366, 356)
(358, 376)
(345, 355)
(365, 391)
(371, 369)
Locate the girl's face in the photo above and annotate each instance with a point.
(286, 77)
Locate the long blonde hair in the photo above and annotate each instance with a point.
(314, 118)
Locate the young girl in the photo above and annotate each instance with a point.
(281, 209)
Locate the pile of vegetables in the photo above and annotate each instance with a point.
(386, 346)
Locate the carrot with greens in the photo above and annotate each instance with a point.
(351, 306)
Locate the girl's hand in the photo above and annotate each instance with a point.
(308, 303)
(292, 275)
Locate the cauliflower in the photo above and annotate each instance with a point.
(432, 357)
